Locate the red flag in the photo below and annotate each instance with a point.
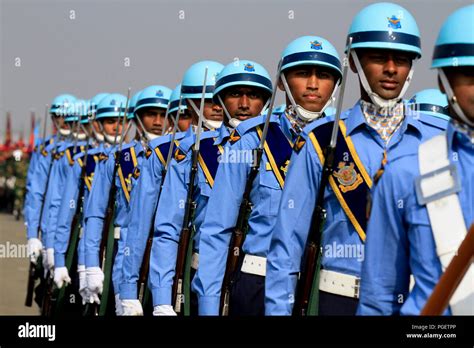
(31, 143)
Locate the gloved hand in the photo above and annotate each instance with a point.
(95, 283)
(118, 306)
(83, 290)
(132, 307)
(34, 249)
(164, 310)
(61, 276)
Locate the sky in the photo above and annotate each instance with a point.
(50, 47)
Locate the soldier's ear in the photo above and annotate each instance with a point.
(440, 85)
(352, 65)
(280, 85)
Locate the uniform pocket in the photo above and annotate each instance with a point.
(269, 193)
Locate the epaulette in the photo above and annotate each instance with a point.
(433, 121)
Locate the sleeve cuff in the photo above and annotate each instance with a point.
(128, 291)
(209, 305)
(161, 296)
(92, 260)
(59, 260)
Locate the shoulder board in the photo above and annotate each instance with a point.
(433, 121)
(251, 123)
(187, 142)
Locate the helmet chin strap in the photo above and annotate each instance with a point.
(303, 114)
(150, 136)
(209, 124)
(453, 102)
(374, 97)
(233, 122)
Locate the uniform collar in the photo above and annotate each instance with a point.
(457, 132)
(356, 118)
(223, 134)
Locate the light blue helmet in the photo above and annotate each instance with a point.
(191, 85)
(174, 100)
(153, 96)
(455, 43)
(243, 73)
(113, 105)
(386, 26)
(311, 50)
(431, 102)
(78, 109)
(131, 105)
(61, 104)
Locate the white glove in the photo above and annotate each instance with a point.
(132, 307)
(118, 306)
(164, 310)
(61, 276)
(83, 290)
(34, 249)
(49, 259)
(95, 283)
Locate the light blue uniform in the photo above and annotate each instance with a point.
(170, 215)
(59, 172)
(223, 208)
(143, 203)
(96, 210)
(36, 191)
(68, 209)
(400, 241)
(301, 189)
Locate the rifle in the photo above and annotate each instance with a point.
(107, 246)
(75, 226)
(452, 277)
(180, 289)
(308, 284)
(245, 208)
(145, 266)
(32, 271)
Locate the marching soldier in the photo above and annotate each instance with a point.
(143, 203)
(74, 200)
(383, 45)
(423, 205)
(39, 176)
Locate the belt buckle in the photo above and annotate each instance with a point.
(357, 288)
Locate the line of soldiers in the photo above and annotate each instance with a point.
(224, 204)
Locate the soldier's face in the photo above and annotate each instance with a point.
(385, 70)
(461, 80)
(110, 125)
(185, 120)
(244, 102)
(153, 119)
(212, 112)
(311, 86)
(96, 126)
(60, 122)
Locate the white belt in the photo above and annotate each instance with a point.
(339, 283)
(195, 261)
(117, 232)
(254, 265)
